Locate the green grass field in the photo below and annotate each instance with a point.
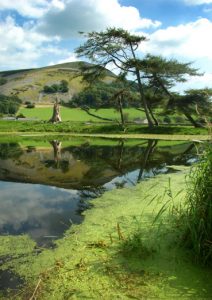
(78, 115)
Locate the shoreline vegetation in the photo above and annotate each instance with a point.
(165, 137)
(102, 130)
(126, 247)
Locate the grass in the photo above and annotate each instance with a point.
(98, 128)
(197, 218)
(78, 115)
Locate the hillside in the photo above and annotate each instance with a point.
(28, 84)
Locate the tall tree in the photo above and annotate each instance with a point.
(117, 47)
(193, 102)
(161, 75)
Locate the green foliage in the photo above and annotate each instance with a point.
(3, 80)
(154, 75)
(101, 95)
(8, 150)
(135, 246)
(30, 105)
(62, 87)
(20, 116)
(197, 219)
(167, 119)
(9, 104)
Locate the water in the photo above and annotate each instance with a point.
(44, 188)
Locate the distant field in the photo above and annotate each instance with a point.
(78, 115)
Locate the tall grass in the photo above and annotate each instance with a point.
(197, 217)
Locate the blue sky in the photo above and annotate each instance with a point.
(43, 32)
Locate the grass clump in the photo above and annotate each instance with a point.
(197, 218)
(135, 246)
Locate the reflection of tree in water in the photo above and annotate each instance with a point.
(10, 150)
(57, 162)
(146, 157)
(122, 158)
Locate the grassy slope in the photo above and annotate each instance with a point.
(89, 262)
(74, 114)
(28, 84)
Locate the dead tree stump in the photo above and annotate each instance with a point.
(56, 113)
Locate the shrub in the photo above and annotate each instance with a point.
(167, 120)
(9, 104)
(3, 81)
(197, 218)
(179, 119)
(31, 105)
(20, 116)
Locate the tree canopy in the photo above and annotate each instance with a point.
(119, 48)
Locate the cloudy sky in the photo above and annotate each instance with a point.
(36, 33)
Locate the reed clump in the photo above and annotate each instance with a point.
(197, 218)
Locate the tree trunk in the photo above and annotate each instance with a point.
(95, 116)
(57, 151)
(56, 113)
(150, 122)
(148, 151)
(121, 110)
(193, 122)
(140, 86)
(153, 117)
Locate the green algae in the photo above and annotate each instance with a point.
(91, 262)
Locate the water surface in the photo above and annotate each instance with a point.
(45, 186)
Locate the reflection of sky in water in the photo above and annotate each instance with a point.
(37, 209)
(132, 178)
(44, 211)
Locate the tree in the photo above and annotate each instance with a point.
(116, 46)
(160, 75)
(193, 102)
(119, 47)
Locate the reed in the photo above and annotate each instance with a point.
(197, 218)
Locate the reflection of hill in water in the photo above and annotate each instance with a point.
(77, 167)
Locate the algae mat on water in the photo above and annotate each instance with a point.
(119, 252)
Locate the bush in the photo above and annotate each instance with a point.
(198, 216)
(20, 116)
(179, 119)
(3, 81)
(62, 87)
(9, 104)
(31, 105)
(167, 120)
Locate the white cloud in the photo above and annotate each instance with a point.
(88, 15)
(69, 58)
(32, 8)
(23, 47)
(188, 42)
(196, 82)
(197, 2)
(28, 8)
(191, 41)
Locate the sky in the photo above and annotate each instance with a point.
(36, 33)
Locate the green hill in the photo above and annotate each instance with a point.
(28, 84)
